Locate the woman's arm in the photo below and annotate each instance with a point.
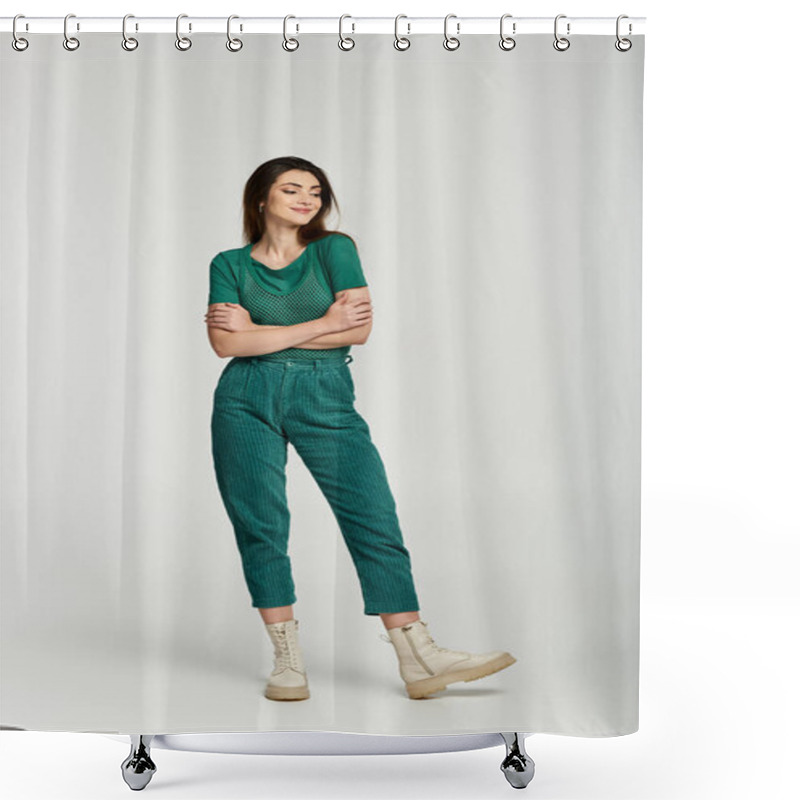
(341, 339)
(328, 341)
(232, 332)
(356, 335)
(263, 339)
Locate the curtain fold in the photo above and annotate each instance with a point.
(496, 202)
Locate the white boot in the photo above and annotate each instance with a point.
(427, 668)
(288, 680)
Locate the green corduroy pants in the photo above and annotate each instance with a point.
(259, 407)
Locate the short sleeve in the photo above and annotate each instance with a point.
(223, 287)
(343, 263)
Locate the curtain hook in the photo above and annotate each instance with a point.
(233, 44)
(507, 42)
(451, 42)
(406, 43)
(17, 42)
(182, 42)
(342, 39)
(128, 42)
(623, 45)
(70, 42)
(560, 40)
(286, 40)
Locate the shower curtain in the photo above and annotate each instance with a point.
(494, 199)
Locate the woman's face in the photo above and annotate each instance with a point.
(294, 198)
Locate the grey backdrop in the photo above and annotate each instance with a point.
(496, 201)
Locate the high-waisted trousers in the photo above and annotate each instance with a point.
(259, 407)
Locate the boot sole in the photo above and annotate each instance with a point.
(287, 693)
(420, 689)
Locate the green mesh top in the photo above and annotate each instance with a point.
(299, 292)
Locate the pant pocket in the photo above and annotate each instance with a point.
(234, 379)
(344, 380)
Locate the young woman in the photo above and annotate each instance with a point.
(287, 307)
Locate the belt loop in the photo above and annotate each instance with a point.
(348, 358)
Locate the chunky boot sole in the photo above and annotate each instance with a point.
(287, 693)
(419, 689)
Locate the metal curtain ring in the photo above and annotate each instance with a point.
(623, 45)
(451, 42)
(182, 42)
(17, 42)
(507, 42)
(234, 45)
(351, 43)
(400, 42)
(128, 42)
(561, 43)
(286, 40)
(70, 42)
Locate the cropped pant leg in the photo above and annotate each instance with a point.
(250, 465)
(334, 442)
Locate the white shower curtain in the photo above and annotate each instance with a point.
(495, 198)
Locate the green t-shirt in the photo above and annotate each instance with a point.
(299, 292)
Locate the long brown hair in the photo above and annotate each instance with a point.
(257, 189)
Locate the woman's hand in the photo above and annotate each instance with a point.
(229, 317)
(345, 313)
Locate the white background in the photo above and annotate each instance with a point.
(720, 598)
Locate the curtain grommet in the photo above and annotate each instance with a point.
(129, 43)
(19, 43)
(70, 43)
(622, 44)
(561, 43)
(507, 42)
(451, 42)
(346, 42)
(183, 43)
(401, 42)
(289, 43)
(233, 44)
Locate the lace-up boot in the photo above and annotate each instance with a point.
(427, 668)
(288, 680)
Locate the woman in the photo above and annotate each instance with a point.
(288, 306)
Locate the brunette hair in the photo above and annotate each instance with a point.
(257, 189)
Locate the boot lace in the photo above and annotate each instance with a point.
(429, 641)
(285, 656)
